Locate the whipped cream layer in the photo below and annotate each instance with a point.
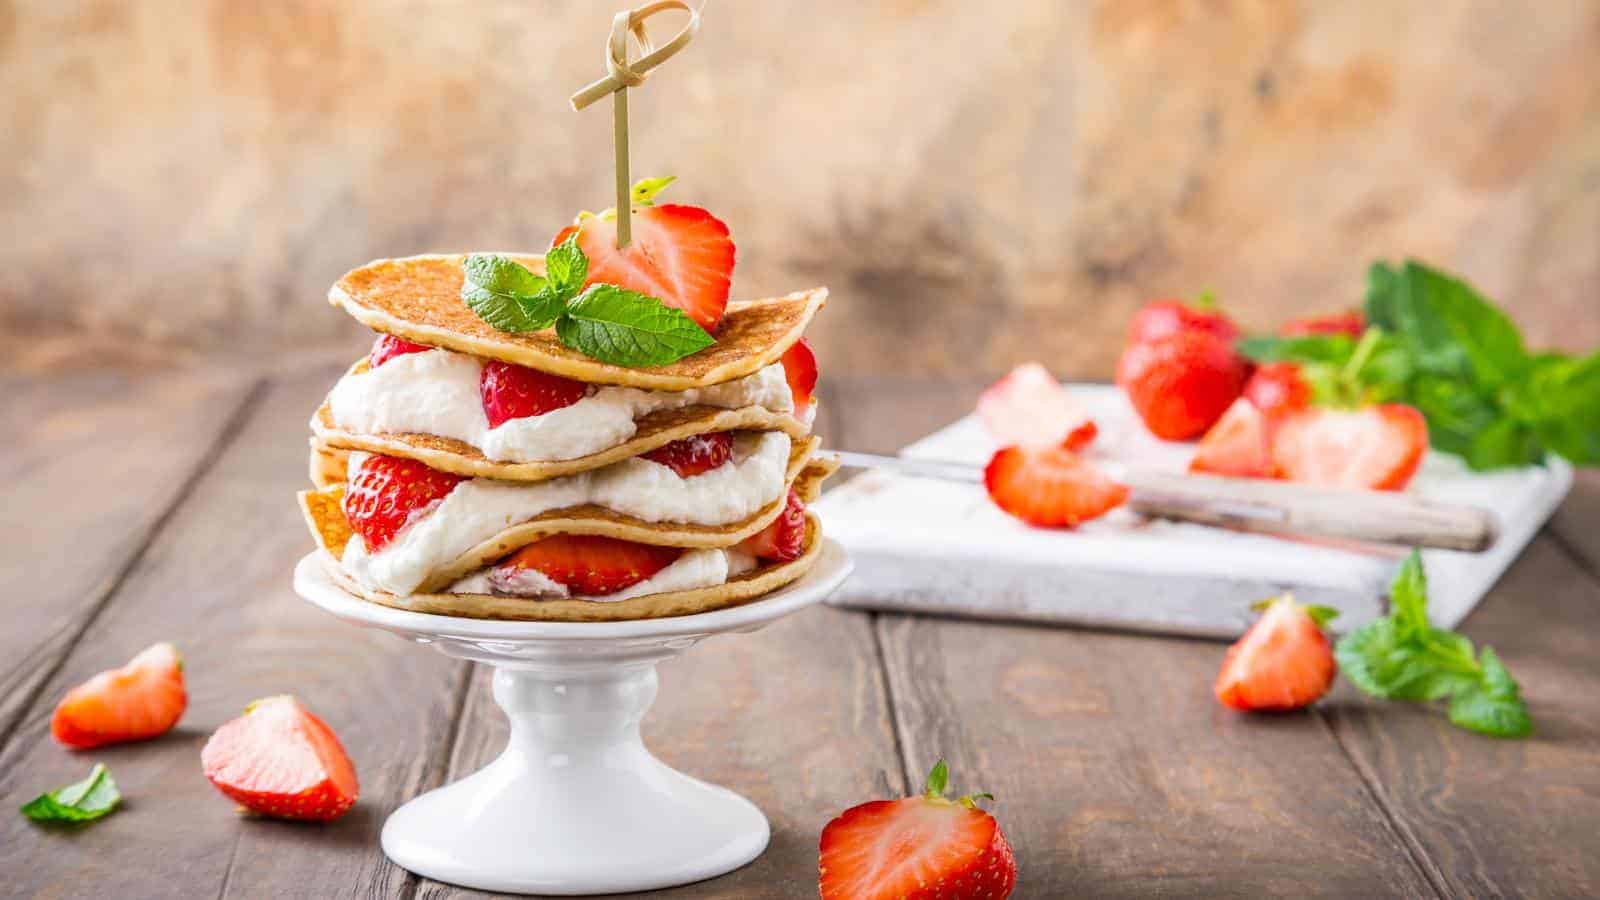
(480, 508)
(694, 569)
(436, 392)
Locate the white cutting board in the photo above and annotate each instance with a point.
(939, 547)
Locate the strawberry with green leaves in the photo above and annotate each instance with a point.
(1182, 384)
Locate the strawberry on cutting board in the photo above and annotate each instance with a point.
(1238, 446)
(1031, 408)
(280, 760)
(929, 847)
(1283, 662)
(1376, 448)
(141, 700)
(1181, 385)
(1050, 486)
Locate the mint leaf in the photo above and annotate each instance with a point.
(566, 267)
(1495, 706)
(626, 328)
(1408, 596)
(1324, 348)
(78, 803)
(1562, 399)
(505, 294)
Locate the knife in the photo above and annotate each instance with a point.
(1258, 505)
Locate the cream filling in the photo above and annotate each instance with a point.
(480, 508)
(436, 392)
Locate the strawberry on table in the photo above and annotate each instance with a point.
(1371, 447)
(929, 847)
(1031, 408)
(588, 565)
(511, 391)
(694, 455)
(280, 760)
(1182, 384)
(785, 538)
(1351, 322)
(1283, 662)
(387, 493)
(387, 347)
(1050, 486)
(141, 700)
(1161, 319)
(800, 369)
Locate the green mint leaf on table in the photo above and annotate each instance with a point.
(505, 294)
(1403, 657)
(566, 268)
(76, 804)
(626, 328)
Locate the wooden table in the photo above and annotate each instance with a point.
(147, 506)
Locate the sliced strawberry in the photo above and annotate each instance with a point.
(1374, 447)
(590, 564)
(142, 699)
(1161, 319)
(694, 455)
(1278, 388)
(1351, 322)
(785, 538)
(387, 493)
(387, 347)
(1050, 486)
(1283, 662)
(280, 760)
(680, 254)
(800, 368)
(515, 392)
(1182, 384)
(920, 848)
(1030, 407)
(1238, 445)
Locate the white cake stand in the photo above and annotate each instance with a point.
(575, 804)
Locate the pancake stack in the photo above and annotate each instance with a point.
(425, 502)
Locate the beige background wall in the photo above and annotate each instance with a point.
(979, 182)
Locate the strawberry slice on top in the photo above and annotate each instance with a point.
(1376, 448)
(1283, 662)
(929, 847)
(1030, 407)
(511, 391)
(280, 760)
(387, 493)
(1050, 486)
(141, 700)
(587, 564)
(694, 455)
(682, 255)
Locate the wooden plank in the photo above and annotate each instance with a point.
(216, 581)
(93, 460)
(1577, 523)
(1503, 818)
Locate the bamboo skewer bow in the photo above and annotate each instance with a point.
(621, 75)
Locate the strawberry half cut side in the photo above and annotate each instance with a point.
(141, 700)
(1375, 448)
(280, 760)
(1237, 446)
(1050, 486)
(1283, 662)
(925, 847)
(682, 255)
(1031, 408)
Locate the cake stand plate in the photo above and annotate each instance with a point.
(575, 804)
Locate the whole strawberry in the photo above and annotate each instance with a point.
(1182, 384)
(920, 848)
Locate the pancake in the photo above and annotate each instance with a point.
(742, 589)
(418, 298)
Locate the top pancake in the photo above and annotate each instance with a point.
(418, 298)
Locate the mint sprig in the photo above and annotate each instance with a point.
(606, 322)
(1403, 657)
(1448, 351)
(77, 803)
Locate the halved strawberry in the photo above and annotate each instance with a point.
(142, 699)
(800, 368)
(590, 564)
(922, 848)
(694, 455)
(1373, 447)
(388, 492)
(1050, 486)
(387, 347)
(1283, 662)
(280, 760)
(1351, 322)
(682, 255)
(1030, 407)
(1239, 445)
(511, 391)
(1181, 385)
(1277, 388)
(785, 538)
(1160, 319)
